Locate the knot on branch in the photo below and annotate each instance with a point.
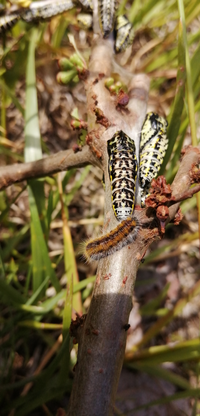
(101, 118)
(76, 327)
(195, 173)
(91, 140)
(122, 101)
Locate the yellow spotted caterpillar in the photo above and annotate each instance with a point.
(124, 33)
(153, 146)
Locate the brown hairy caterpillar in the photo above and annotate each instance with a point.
(125, 233)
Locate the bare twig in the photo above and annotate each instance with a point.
(58, 162)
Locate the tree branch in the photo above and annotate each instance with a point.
(102, 338)
(58, 162)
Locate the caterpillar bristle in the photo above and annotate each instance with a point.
(125, 233)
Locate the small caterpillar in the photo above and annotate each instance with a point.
(36, 14)
(125, 233)
(107, 9)
(153, 146)
(8, 21)
(122, 168)
(85, 20)
(124, 33)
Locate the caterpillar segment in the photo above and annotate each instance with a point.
(153, 146)
(85, 20)
(106, 10)
(122, 168)
(42, 13)
(8, 21)
(124, 33)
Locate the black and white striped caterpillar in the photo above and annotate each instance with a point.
(8, 21)
(39, 13)
(122, 169)
(123, 29)
(106, 9)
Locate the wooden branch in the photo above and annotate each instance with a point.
(102, 338)
(182, 180)
(58, 162)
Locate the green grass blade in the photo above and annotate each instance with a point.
(175, 116)
(32, 130)
(189, 77)
(40, 258)
(162, 373)
(12, 96)
(10, 293)
(183, 351)
(13, 242)
(72, 275)
(41, 261)
(190, 94)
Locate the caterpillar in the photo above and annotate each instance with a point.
(122, 169)
(36, 14)
(85, 20)
(153, 146)
(125, 233)
(7, 22)
(106, 9)
(124, 33)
